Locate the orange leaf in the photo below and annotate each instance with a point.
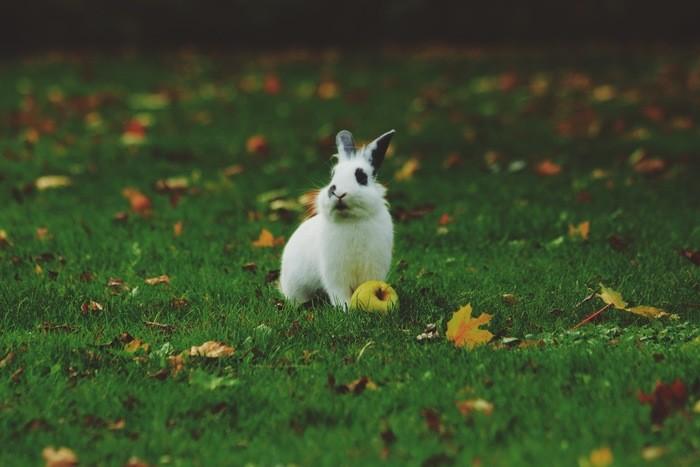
(177, 229)
(407, 170)
(267, 240)
(257, 144)
(547, 168)
(581, 231)
(140, 203)
(464, 330)
(470, 406)
(445, 219)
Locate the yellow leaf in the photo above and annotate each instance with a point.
(135, 345)
(651, 312)
(581, 231)
(651, 453)
(407, 170)
(464, 330)
(51, 181)
(612, 297)
(61, 457)
(212, 349)
(267, 240)
(602, 457)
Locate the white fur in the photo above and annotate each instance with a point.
(337, 250)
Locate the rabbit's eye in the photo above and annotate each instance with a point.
(361, 177)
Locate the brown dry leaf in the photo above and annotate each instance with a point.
(212, 349)
(650, 166)
(651, 312)
(463, 330)
(452, 160)
(117, 285)
(48, 182)
(61, 457)
(232, 170)
(91, 307)
(267, 240)
(177, 228)
(176, 363)
(407, 170)
(162, 279)
(328, 89)
(136, 462)
(7, 359)
(469, 406)
(140, 203)
(580, 231)
(116, 425)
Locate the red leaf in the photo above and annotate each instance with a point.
(666, 399)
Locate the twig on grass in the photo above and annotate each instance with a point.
(592, 316)
(161, 326)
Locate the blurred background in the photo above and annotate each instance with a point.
(243, 24)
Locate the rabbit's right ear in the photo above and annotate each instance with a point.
(345, 144)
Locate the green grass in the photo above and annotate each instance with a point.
(553, 403)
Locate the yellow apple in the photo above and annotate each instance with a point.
(374, 296)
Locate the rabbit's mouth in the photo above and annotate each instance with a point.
(341, 206)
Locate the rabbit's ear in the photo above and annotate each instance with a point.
(375, 151)
(345, 143)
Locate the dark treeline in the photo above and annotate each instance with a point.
(48, 24)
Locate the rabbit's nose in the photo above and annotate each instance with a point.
(331, 191)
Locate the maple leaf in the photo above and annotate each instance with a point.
(212, 349)
(48, 182)
(407, 170)
(581, 231)
(464, 330)
(267, 240)
(61, 457)
(665, 399)
(162, 279)
(469, 406)
(547, 168)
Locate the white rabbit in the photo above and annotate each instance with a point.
(349, 240)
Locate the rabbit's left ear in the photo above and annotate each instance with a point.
(376, 150)
(345, 143)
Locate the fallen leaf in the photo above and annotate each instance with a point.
(267, 240)
(445, 219)
(650, 166)
(509, 299)
(48, 182)
(651, 453)
(272, 84)
(604, 93)
(4, 240)
(91, 307)
(61, 457)
(116, 425)
(257, 144)
(134, 345)
(42, 233)
(580, 231)
(693, 256)
(452, 160)
(177, 228)
(403, 214)
(666, 399)
(176, 363)
(134, 132)
(602, 457)
(432, 420)
(162, 279)
(407, 170)
(140, 203)
(116, 285)
(469, 406)
(612, 297)
(7, 359)
(547, 168)
(464, 330)
(328, 89)
(212, 349)
(232, 170)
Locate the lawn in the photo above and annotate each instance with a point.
(173, 165)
